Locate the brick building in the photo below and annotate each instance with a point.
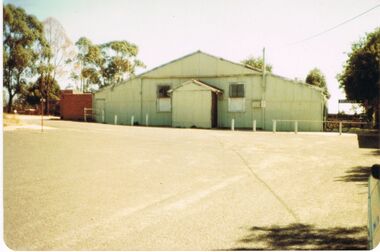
(72, 104)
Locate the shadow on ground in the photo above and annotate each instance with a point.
(375, 153)
(369, 141)
(357, 174)
(299, 236)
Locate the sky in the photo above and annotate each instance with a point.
(232, 29)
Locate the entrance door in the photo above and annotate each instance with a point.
(214, 111)
(100, 110)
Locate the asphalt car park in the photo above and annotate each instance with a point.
(89, 186)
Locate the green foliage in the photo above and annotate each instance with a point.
(257, 63)
(106, 63)
(31, 94)
(23, 46)
(360, 77)
(317, 78)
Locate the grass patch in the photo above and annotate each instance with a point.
(11, 120)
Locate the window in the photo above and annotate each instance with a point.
(236, 104)
(164, 105)
(236, 90)
(163, 99)
(162, 91)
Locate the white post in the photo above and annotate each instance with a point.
(232, 124)
(340, 128)
(296, 127)
(115, 119)
(147, 120)
(85, 116)
(274, 126)
(102, 115)
(254, 126)
(132, 120)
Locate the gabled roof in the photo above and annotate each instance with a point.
(199, 83)
(199, 51)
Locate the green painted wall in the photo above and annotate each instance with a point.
(284, 99)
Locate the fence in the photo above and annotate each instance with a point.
(339, 126)
(88, 114)
(307, 125)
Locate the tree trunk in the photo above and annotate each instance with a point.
(9, 107)
(377, 116)
(47, 93)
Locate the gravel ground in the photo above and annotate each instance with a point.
(87, 186)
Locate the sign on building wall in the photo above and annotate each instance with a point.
(236, 104)
(164, 105)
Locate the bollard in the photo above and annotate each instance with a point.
(132, 120)
(296, 127)
(254, 126)
(274, 126)
(115, 120)
(102, 115)
(147, 120)
(85, 116)
(340, 128)
(232, 124)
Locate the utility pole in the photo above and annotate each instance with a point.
(264, 66)
(42, 114)
(263, 90)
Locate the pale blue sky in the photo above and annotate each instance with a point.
(232, 29)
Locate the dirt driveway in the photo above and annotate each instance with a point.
(87, 186)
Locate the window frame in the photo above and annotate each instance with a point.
(160, 97)
(158, 93)
(236, 93)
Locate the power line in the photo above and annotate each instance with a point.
(334, 27)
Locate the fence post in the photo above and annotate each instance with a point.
(340, 128)
(115, 119)
(102, 115)
(232, 124)
(274, 126)
(132, 120)
(147, 120)
(296, 127)
(254, 126)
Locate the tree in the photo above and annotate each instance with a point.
(62, 49)
(360, 77)
(106, 63)
(31, 94)
(257, 63)
(23, 45)
(316, 78)
(61, 46)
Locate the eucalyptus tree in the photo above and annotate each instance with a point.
(106, 63)
(62, 49)
(316, 78)
(257, 63)
(24, 48)
(360, 77)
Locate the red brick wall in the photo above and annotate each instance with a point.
(72, 105)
